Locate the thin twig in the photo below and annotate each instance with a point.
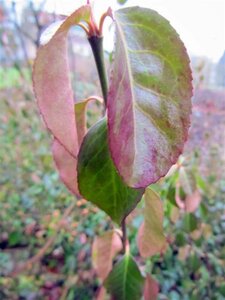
(21, 37)
(27, 35)
(124, 236)
(36, 258)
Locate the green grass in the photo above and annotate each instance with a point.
(11, 77)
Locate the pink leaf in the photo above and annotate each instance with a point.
(192, 201)
(149, 101)
(151, 239)
(104, 249)
(52, 84)
(184, 252)
(67, 166)
(151, 288)
(102, 293)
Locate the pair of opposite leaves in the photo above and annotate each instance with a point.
(124, 280)
(148, 110)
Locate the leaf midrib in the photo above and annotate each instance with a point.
(132, 81)
(131, 86)
(148, 29)
(125, 276)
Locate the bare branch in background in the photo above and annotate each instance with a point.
(21, 37)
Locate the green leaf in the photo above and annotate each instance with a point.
(180, 239)
(121, 2)
(149, 100)
(221, 289)
(171, 195)
(203, 211)
(201, 183)
(125, 281)
(190, 223)
(194, 262)
(98, 179)
(15, 238)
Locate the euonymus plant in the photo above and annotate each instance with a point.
(147, 115)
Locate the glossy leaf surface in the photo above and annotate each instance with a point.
(52, 84)
(104, 248)
(151, 239)
(98, 179)
(125, 281)
(149, 100)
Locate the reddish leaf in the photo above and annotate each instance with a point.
(104, 249)
(174, 214)
(184, 252)
(67, 166)
(52, 84)
(151, 288)
(196, 234)
(102, 294)
(206, 230)
(151, 239)
(192, 201)
(149, 100)
(65, 162)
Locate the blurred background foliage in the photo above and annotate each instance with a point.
(46, 234)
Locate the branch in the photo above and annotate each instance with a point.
(35, 14)
(97, 49)
(36, 258)
(20, 36)
(124, 236)
(22, 31)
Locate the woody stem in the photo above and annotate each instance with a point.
(96, 43)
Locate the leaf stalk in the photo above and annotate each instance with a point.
(124, 236)
(96, 43)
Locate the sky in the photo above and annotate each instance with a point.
(200, 23)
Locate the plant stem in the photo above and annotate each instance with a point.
(37, 257)
(124, 237)
(96, 43)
